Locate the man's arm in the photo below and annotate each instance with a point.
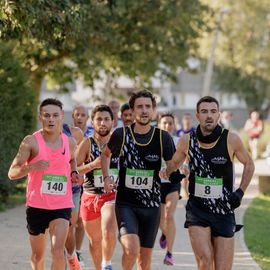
(113, 147)
(105, 165)
(243, 156)
(77, 134)
(19, 168)
(75, 177)
(82, 155)
(179, 156)
(72, 148)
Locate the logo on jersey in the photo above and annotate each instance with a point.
(152, 158)
(219, 160)
(114, 160)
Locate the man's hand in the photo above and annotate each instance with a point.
(235, 198)
(76, 178)
(163, 174)
(184, 169)
(176, 177)
(109, 184)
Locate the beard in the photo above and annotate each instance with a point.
(209, 127)
(103, 133)
(143, 123)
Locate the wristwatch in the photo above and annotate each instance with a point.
(74, 172)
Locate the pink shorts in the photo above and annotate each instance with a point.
(91, 204)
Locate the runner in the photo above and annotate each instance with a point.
(169, 197)
(115, 106)
(212, 200)
(97, 208)
(126, 115)
(141, 148)
(80, 118)
(72, 258)
(47, 157)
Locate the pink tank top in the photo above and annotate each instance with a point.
(51, 188)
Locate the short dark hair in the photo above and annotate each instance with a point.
(207, 99)
(165, 114)
(101, 108)
(124, 107)
(51, 101)
(143, 93)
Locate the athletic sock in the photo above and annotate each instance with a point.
(106, 263)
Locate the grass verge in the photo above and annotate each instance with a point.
(257, 235)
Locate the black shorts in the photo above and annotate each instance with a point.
(167, 188)
(141, 221)
(38, 220)
(221, 225)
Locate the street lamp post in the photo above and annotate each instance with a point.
(210, 63)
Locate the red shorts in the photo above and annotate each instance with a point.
(91, 204)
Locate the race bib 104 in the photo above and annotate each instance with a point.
(139, 179)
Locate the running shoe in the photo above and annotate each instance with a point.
(168, 260)
(163, 241)
(108, 267)
(80, 258)
(74, 263)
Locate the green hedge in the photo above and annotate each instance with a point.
(17, 111)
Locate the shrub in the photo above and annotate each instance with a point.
(17, 112)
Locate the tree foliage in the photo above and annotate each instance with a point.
(242, 56)
(16, 110)
(67, 39)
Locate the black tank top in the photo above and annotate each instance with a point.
(211, 177)
(93, 182)
(139, 182)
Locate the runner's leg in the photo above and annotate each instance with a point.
(58, 229)
(200, 238)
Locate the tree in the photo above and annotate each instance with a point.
(66, 39)
(135, 38)
(16, 110)
(243, 52)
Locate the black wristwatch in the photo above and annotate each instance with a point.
(74, 172)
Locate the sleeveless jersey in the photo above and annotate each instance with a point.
(211, 177)
(139, 182)
(50, 189)
(89, 132)
(66, 130)
(93, 182)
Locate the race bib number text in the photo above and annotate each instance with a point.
(210, 188)
(139, 179)
(54, 184)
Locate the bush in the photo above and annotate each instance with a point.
(17, 111)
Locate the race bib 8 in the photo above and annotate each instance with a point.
(139, 179)
(54, 184)
(210, 188)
